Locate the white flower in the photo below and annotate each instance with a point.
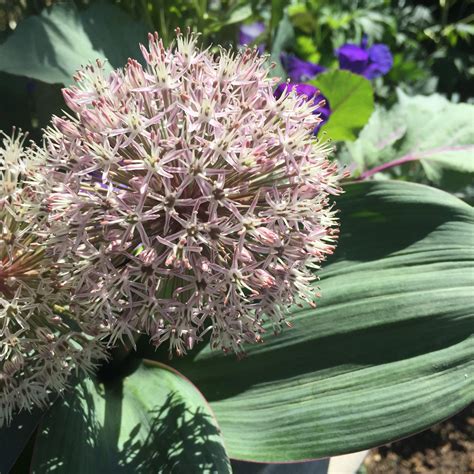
(39, 343)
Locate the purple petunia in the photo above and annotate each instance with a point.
(250, 32)
(299, 70)
(368, 62)
(311, 93)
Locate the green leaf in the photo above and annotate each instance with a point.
(52, 46)
(277, 12)
(388, 352)
(429, 129)
(16, 98)
(351, 100)
(282, 39)
(238, 14)
(153, 420)
(303, 19)
(14, 438)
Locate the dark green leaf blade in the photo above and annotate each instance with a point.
(388, 352)
(153, 420)
(282, 38)
(14, 438)
(50, 47)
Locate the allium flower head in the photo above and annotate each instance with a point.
(198, 199)
(38, 346)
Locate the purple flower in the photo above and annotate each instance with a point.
(312, 94)
(368, 62)
(380, 61)
(353, 58)
(250, 32)
(299, 70)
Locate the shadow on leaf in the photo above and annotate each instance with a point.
(102, 428)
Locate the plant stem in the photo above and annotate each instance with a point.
(390, 164)
(414, 157)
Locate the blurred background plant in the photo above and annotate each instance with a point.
(430, 42)
(396, 77)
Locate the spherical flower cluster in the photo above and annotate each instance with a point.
(38, 346)
(196, 201)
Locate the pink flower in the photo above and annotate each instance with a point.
(196, 201)
(40, 343)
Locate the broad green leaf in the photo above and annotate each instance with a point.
(351, 99)
(429, 129)
(277, 12)
(388, 352)
(238, 14)
(15, 436)
(50, 47)
(154, 420)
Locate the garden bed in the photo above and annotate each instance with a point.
(446, 448)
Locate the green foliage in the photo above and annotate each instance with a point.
(52, 46)
(153, 420)
(431, 130)
(283, 37)
(14, 438)
(333, 23)
(239, 14)
(215, 20)
(351, 99)
(306, 48)
(431, 45)
(388, 352)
